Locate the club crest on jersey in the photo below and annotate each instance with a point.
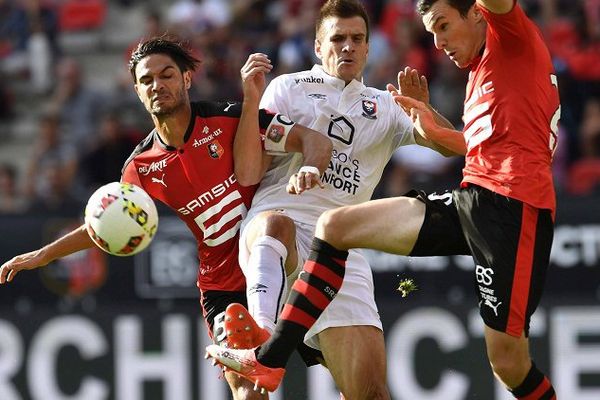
(215, 150)
(369, 109)
(276, 133)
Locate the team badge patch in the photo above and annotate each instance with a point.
(215, 150)
(275, 133)
(369, 109)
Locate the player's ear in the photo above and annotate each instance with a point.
(318, 49)
(475, 12)
(187, 79)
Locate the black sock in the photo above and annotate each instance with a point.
(536, 386)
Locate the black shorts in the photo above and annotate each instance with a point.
(510, 242)
(214, 303)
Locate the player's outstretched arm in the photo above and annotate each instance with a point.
(429, 131)
(497, 6)
(74, 241)
(250, 162)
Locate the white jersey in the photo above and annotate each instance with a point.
(365, 126)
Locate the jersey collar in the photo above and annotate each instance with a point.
(336, 82)
(186, 136)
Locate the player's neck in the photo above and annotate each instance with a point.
(172, 128)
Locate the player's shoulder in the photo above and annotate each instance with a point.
(144, 145)
(226, 108)
(382, 97)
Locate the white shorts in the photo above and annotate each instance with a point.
(355, 302)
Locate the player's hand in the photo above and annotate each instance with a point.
(420, 114)
(253, 75)
(18, 263)
(411, 84)
(302, 181)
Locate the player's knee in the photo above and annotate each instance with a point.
(278, 226)
(509, 368)
(330, 227)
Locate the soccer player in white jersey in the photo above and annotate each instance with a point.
(366, 127)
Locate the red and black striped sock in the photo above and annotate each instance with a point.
(316, 286)
(536, 386)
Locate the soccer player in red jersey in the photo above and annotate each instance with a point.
(503, 212)
(187, 162)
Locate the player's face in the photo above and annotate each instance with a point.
(161, 85)
(460, 38)
(342, 47)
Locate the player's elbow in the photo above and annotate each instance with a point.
(247, 176)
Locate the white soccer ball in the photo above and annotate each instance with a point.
(121, 218)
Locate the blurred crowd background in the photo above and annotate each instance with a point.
(69, 116)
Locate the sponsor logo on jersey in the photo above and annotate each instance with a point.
(318, 96)
(343, 173)
(309, 79)
(205, 130)
(207, 139)
(161, 180)
(208, 196)
(156, 166)
(369, 109)
(215, 150)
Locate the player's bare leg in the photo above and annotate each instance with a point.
(509, 356)
(511, 363)
(242, 389)
(355, 356)
(391, 225)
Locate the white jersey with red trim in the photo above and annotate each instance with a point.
(364, 124)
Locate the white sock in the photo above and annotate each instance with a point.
(266, 284)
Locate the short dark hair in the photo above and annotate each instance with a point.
(342, 9)
(169, 46)
(463, 6)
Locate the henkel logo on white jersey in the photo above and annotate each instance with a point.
(156, 166)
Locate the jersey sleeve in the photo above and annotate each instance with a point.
(264, 119)
(402, 127)
(276, 97)
(130, 175)
(510, 31)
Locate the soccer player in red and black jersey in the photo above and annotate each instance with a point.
(187, 162)
(502, 214)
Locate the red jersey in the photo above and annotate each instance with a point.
(511, 112)
(197, 182)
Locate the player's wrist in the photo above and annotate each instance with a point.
(309, 169)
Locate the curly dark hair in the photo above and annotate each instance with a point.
(167, 45)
